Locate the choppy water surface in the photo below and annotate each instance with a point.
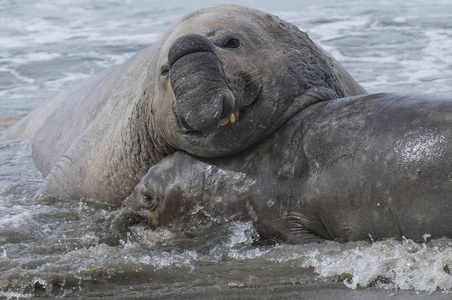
(80, 249)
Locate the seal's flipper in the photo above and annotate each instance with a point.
(304, 230)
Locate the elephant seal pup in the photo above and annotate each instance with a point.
(368, 167)
(220, 80)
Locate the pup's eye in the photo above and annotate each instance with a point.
(148, 198)
(231, 42)
(151, 202)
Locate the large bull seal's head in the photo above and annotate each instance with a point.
(227, 76)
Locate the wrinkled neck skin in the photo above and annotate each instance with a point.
(119, 146)
(151, 130)
(153, 123)
(117, 155)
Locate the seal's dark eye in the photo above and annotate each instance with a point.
(148, 198)
(231, 42)
(151, 202)
(164, 71)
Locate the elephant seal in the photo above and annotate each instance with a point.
(221, 79)
(367, 167)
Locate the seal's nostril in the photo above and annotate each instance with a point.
(228, 104)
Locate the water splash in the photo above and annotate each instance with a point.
(389, 264)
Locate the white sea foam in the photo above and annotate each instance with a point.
(241, 233)
(15, 295)
(388, 264)
(15, 221)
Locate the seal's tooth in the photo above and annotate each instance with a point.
(232, 118)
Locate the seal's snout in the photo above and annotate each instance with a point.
(203, 99)
(130, 215)
(227, 101)
(188, 44)
(228, 114)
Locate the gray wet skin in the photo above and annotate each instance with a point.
(220, 80)
(368, 167)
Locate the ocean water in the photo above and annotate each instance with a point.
(80, 249)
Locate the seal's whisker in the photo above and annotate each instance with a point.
(253, 79)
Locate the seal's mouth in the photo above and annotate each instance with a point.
(141, 217)
(236, 116)
(231, 119)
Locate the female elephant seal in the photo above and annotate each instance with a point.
(367, 167)
(221, 79)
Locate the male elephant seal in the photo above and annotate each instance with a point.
(367, 167)
(221, 79)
